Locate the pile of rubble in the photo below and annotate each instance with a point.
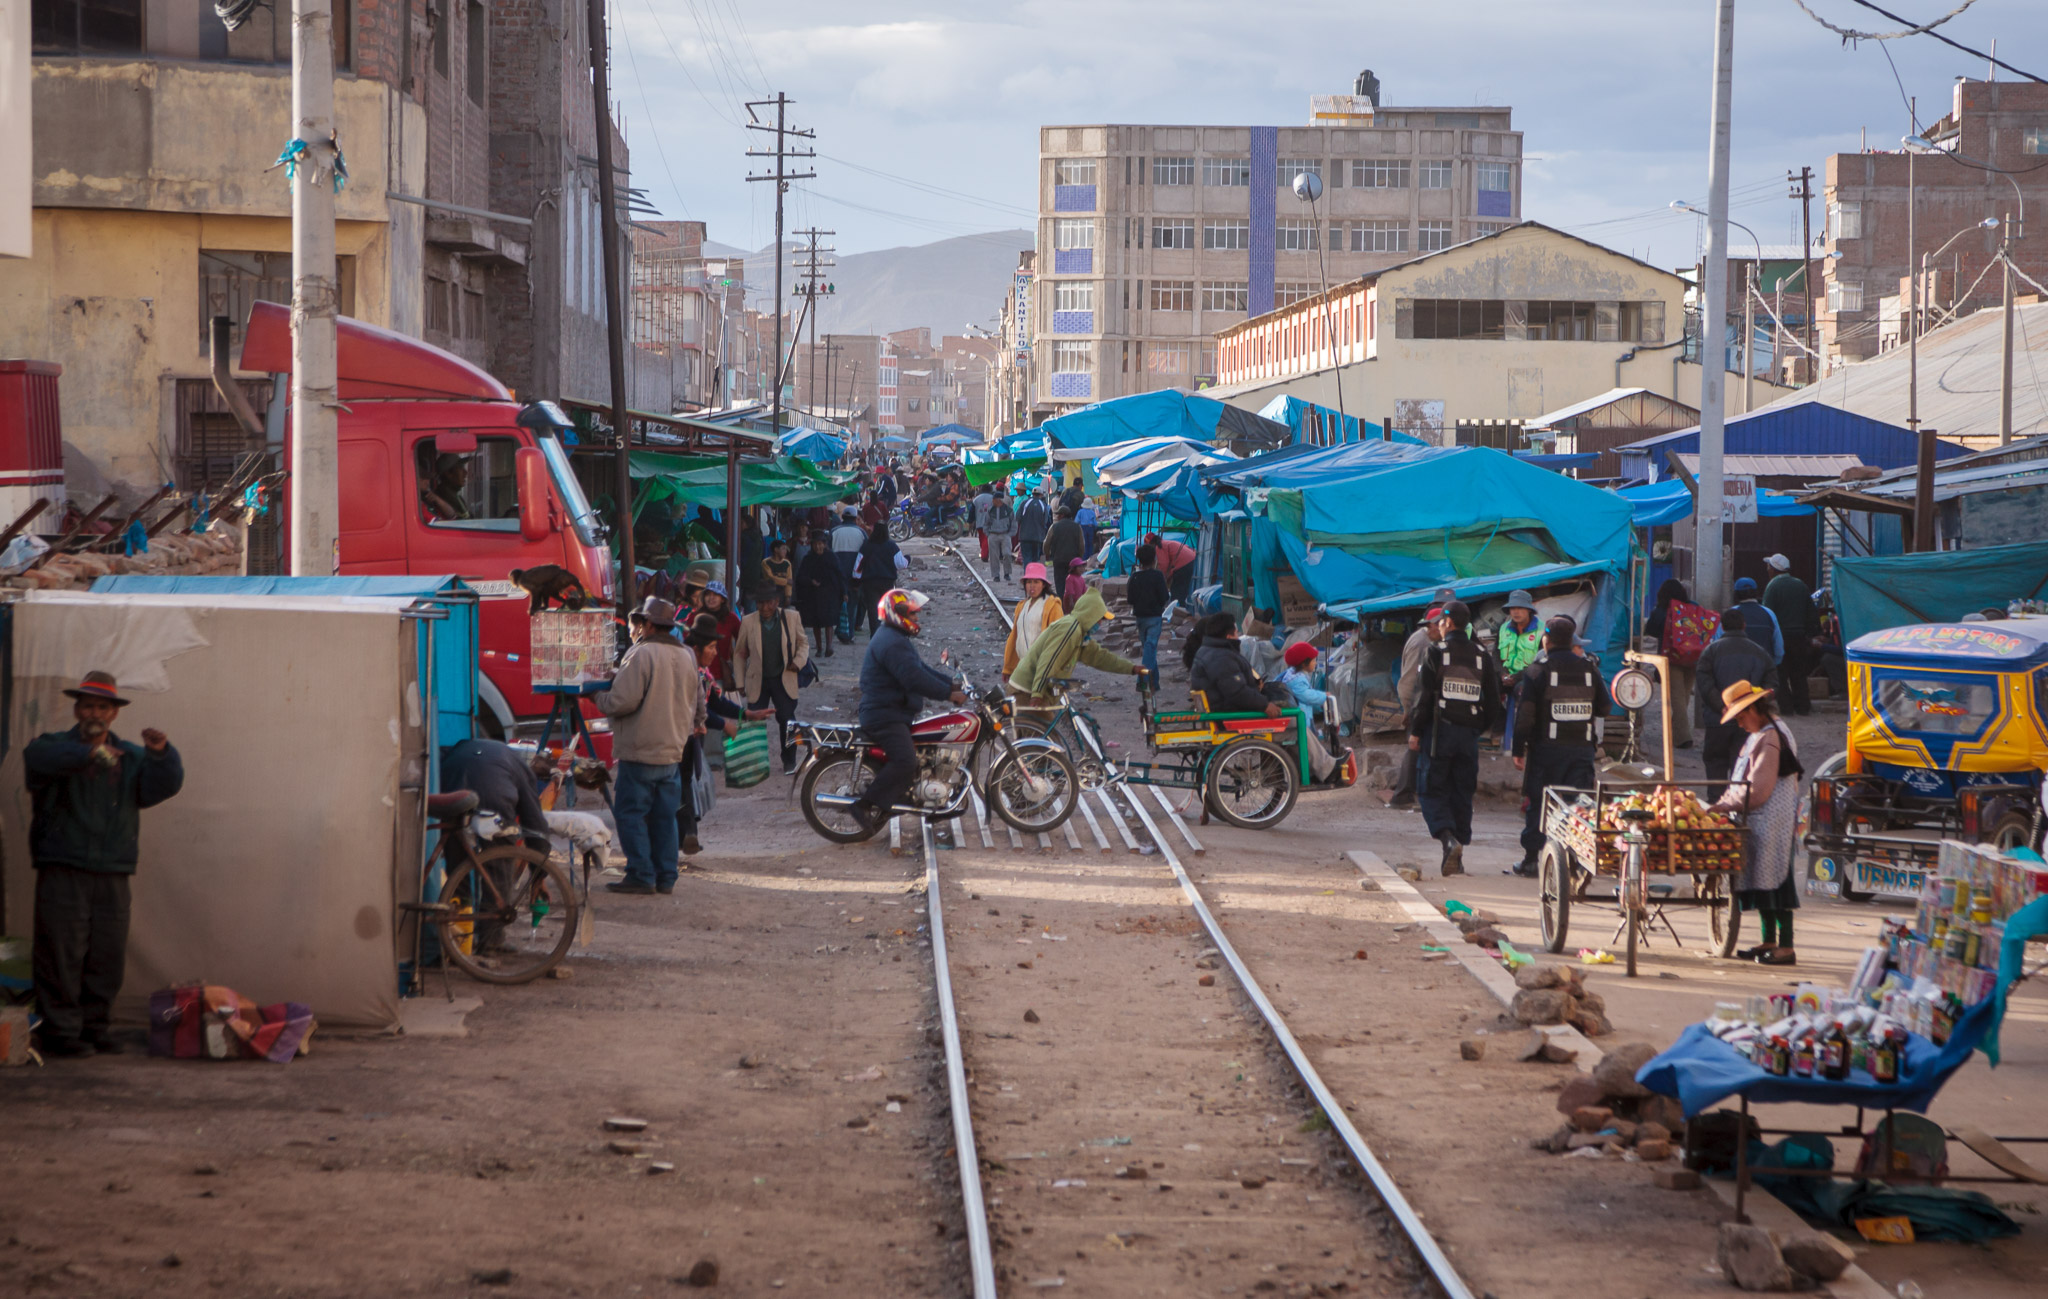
(1610, 1112)
(218, 550)
(1766, 1261)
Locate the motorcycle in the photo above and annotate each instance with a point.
(914, 518)
(1029, 783)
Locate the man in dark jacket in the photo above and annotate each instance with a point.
(503, 783)
(1733, 656)
(1458, 701)
(1062, 545)
(1555, 730)
(1791, 603)
(88, 787)
(1222, 673)
(1034, 517)
(1148, 597)
(893, 680)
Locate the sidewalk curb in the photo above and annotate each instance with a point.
(1765, 1209)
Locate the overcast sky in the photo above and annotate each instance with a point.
(927, 114)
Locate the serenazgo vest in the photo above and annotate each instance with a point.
(1461, 678)
(1571, 687)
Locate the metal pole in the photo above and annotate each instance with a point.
(1710, 580)
(1806, 252)
(1923, 490)
(315, 463)
(1749, 337)
(2005, 353)
(614, 305)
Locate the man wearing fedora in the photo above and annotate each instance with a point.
(89, 787)
(655, 707)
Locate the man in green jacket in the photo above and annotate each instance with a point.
(88, 787)
(1052, 656)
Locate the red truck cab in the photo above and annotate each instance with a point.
(443, 471)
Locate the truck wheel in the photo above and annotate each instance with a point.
(487, 725)
(2010, 831)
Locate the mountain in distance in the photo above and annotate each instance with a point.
(944, 286)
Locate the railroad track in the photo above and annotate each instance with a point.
(1155, 830)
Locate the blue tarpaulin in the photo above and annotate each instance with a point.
(1659, 505)
(1162, 414)
(1875, 592)
(812, 444)
(950, 435)
(1305, 416)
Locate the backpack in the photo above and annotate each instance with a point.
(1687, 630)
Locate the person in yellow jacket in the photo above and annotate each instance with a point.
(1052, 656)
(1038, 610)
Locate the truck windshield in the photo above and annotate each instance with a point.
(588, 527)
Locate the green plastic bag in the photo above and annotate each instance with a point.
(746, 756)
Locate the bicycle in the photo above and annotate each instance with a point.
(1074, 730)
(507, 913)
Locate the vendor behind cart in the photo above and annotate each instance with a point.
(1765, 786)
(1554, 728)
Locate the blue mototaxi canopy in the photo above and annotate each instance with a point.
(1658, 505)
(2011, 645)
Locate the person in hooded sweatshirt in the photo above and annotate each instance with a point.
(1053, 654)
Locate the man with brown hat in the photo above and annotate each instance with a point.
(655, 707)
(88, 786)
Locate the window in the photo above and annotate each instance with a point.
(1295, 235)
(1491, 227)
(230, 282)
(479, 54)
(1944, 705)
(1496, 176)
(1436, 175)
(1844, 296)
(1173, 234)
(1226, 171)
(1172, 359)
(1173, 171)
(2034, 139)
(916, 404)
(1845, 219)
(1453, 318)
(1287, 294)
(1073, 171)
(1226, 295)
(95, 27)
(1289, 168)
(1433, 236)
(1380, 173)
(1379, 237)
(473, 490)
(1073, 232)
(1069, 295)
(1226, 236)
(1073, 358)
(1173, 295)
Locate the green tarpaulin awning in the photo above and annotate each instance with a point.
(995, 470)
(700, 480)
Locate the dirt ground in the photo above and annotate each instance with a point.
(773, 1020)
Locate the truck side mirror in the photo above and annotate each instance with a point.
(536, 494)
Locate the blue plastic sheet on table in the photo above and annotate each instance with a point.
(1700, 1069)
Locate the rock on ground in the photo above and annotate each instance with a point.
(1616, 1072)
(1750, 1259)
(1815, 1254)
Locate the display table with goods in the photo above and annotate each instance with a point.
(1635, 832)
(1915, 1010)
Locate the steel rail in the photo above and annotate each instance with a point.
(980, 1254)
(1433, 1256)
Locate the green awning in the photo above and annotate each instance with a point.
(995, 470)
(700, 480)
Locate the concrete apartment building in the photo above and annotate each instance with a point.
(1154, 238)
(156, 206)
(837, 380)
(1990, 124)
(1009, 383)
(973, 364)
(688, 313)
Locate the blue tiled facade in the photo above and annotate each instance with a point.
(1496, 203)
(1073, 261)
(1073, 322)
(1073, 198)
(1265, 158)
(1072, 385)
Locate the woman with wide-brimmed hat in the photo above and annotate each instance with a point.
(1765, 788)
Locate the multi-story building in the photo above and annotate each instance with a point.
(1009, 386)
(972, 360)
(1159, 236)
(687, 314)
(836, 379)
(1990, 153)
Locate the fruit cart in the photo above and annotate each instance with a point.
(1633, 833)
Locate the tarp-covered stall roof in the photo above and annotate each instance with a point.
(700, 480)
(1314, 423)
(278, 868)
(1659, 505)
(1875, 592)
(1163, 414)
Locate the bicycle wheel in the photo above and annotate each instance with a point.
(1252, 784)
(1092, 767)
(844, 773)
(520, 909)
(1034, 788)
(1724, 918)
(1554, 876)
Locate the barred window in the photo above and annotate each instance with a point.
(1436, 175)
(1226, 171)
(1173, 171)
(1173, 295)
(1073, 171)
(1173, 234)
(1380, 173)
(1073, 232)
(1226, 236)
(1379, 237)
(1296, 235)
(1226, 295)
(1433, 236)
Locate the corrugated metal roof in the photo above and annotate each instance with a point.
(1800, 428)
(1564, 413)
(1776, 466)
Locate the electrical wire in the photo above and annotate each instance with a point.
(730, 119)
(938, 191)
(659, 152)
(1929, 30)
(1848, 35)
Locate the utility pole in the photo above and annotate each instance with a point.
(2005, 355)
(1804, 194)
(1923, 491)
(315, 487)
(1749, 282)
(614, 306)
(782, 153)
(1710, 582)
(812, 273)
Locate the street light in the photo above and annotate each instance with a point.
(1308, 187)
(1748, 309)
(2014, 230)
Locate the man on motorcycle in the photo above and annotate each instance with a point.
(893, 678)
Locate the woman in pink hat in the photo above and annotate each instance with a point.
(1039, 609)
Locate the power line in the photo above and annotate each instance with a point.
(653, 131)
(1848, 35)
(939, 191)
(1953, 44)
(731, 119)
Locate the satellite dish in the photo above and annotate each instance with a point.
(1308, 187)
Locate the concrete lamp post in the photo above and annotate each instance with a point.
(1308, 187)
(2015, 230)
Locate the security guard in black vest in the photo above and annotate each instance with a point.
(1555, 728)
(1460, 699)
